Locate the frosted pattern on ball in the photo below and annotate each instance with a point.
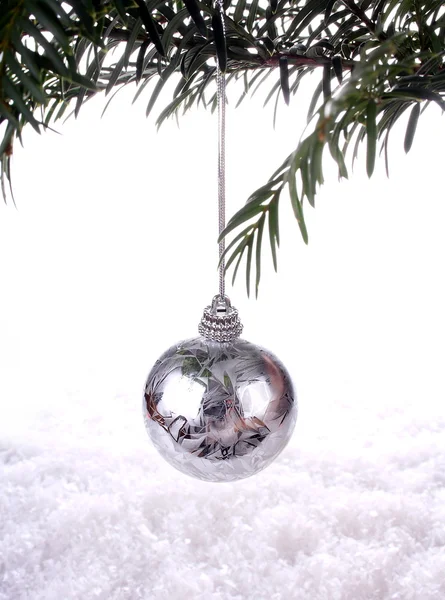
(219, 412)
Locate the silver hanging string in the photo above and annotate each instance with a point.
(221, 100)
(220, 321)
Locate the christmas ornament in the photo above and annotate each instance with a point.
(217, 407)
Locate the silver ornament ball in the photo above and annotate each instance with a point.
(219, 411)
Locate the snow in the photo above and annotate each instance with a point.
(89, 510)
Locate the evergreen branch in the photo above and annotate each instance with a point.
(57, 54)
(370, 98)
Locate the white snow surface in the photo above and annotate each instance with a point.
(88, 510)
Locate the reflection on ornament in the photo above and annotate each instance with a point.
(219, 411)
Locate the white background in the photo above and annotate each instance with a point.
(109, 259)
(111, 256)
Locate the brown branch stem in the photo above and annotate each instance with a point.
(305, 61)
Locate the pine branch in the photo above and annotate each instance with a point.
(56, 53)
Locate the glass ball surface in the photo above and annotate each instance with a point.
(219, 411)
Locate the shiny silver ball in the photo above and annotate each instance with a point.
(219, 411)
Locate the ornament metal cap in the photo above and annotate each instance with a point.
(220, 321)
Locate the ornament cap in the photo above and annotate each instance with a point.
(220, 321)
